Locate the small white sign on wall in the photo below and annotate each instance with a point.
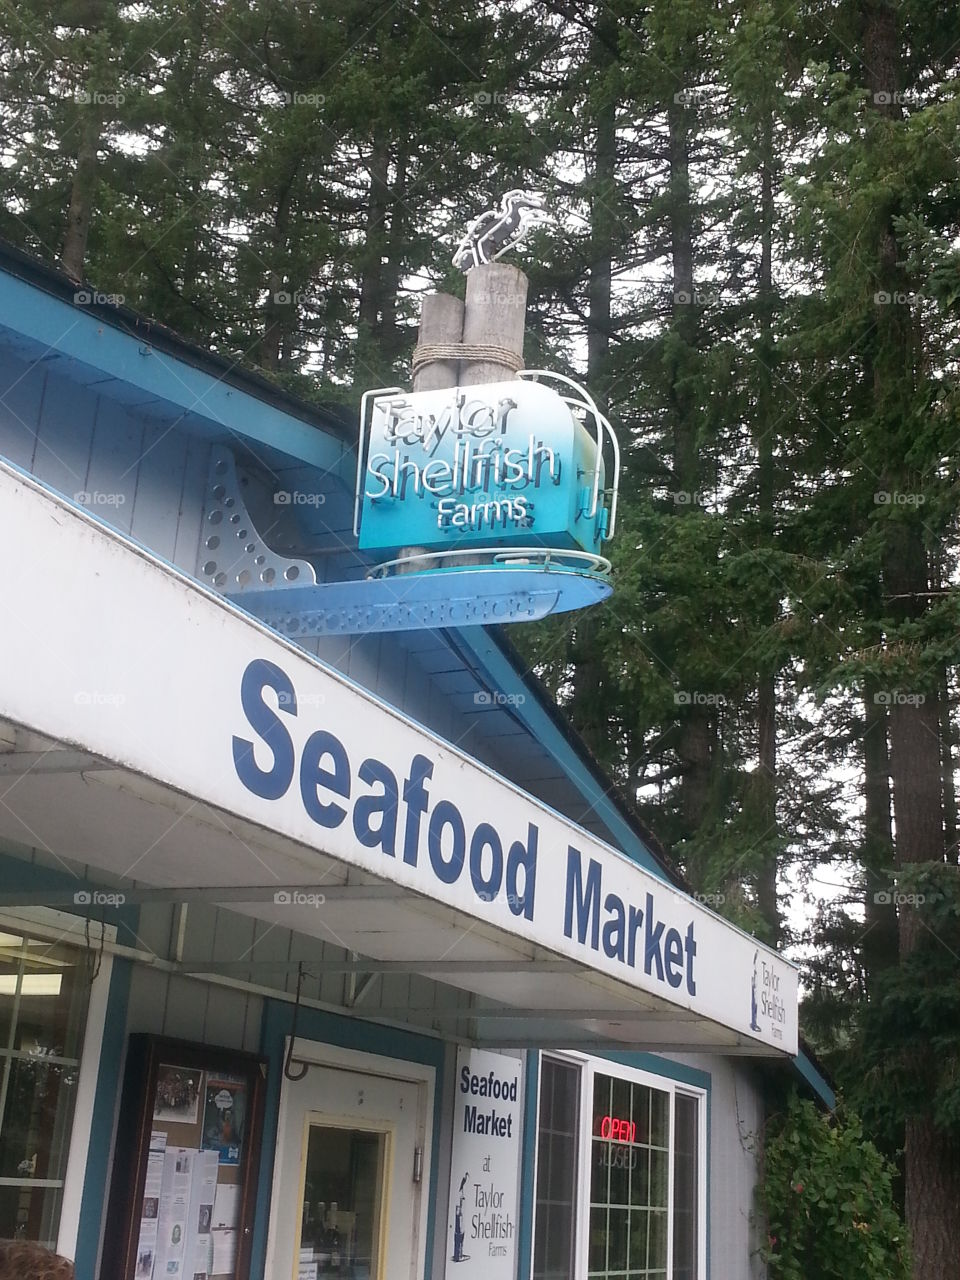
(484, 1171)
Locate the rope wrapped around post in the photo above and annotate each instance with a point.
(428, 352)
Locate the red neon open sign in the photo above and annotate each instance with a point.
(617, 1130)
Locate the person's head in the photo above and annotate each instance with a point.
(25, 1260)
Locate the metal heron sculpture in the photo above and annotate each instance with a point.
(491, 234)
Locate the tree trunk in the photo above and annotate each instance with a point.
(280, 309)
(696, 740)
(586, 708)
(388, 331)
(766, 784)
(602, 209)
(371, 281)
(82, 193)
(586, 700)
(685, 436)
(932, 1169)
(914, 724)
(767, 415)
(932, 1161)
(880, 914)
(947, 767)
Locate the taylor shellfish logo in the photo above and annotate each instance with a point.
(754, 1024)
(458, 1232)
(766, 998)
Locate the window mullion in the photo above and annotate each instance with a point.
(585, 1172)
(702, 1176)
(12, 1033)
(671, 1189)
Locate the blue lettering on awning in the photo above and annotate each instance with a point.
(431, 834)
(666, 955)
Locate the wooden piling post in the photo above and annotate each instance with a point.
(494, 316)
(441, 325)
(481, 340)
(462, 344)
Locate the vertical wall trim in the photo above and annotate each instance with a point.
(102, 1122)
(81, 1133)
(706, 1172)
(443, 1147)
(531, 1111)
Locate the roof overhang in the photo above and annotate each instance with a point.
(167, 738)
(125, 358)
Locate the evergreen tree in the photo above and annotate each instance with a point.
(752, 261)
(885, 184)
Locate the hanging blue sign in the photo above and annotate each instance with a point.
(502, 464)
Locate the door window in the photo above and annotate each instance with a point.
(629, 1197)
(342, 1203)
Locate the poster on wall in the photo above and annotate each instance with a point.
(173, 1231)
(484, 1173)
(150, 1211)
(178, 1095)
(199, 1260)
(224, 1114)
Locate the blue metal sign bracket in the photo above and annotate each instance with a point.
(441, 589)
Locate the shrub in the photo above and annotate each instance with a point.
(827, 1202)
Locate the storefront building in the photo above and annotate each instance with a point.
(323, 951)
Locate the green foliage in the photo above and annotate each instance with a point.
(281, 180)
(827, 1202)
(909, 1046)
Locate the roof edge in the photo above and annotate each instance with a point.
(813, 1074)
(58, 284)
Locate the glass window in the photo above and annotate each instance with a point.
(629, 1199)
(44, 991)
(342, 1200)
(641, 1148)
(557, 1142)
(686, 1197)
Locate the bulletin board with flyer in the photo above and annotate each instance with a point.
(188, 1148)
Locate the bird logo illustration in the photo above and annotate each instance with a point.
(754, 1024)
(459, 1234)
(493, 233)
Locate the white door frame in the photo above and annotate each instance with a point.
(396, 1070)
